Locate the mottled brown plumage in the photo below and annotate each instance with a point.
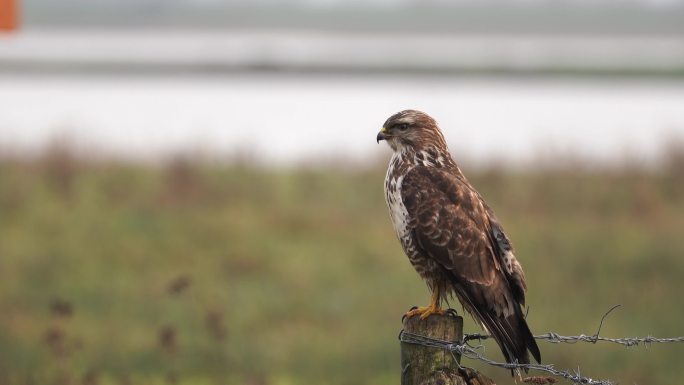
(451, 236)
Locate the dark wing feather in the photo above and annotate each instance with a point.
(516, 277)
(451, 225)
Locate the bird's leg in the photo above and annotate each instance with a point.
(425, 312)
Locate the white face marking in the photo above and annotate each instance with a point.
(408, 119)
(396, 145)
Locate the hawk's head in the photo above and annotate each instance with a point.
(411, 129)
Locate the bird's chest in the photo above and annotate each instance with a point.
(398, 213)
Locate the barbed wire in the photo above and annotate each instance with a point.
(556, 338)
(635, 341)
(470, 352)
(466, 350)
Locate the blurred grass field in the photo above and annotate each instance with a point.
(197, 273)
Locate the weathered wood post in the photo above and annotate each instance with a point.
(422, 365)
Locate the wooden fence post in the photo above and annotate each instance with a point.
(423, 365)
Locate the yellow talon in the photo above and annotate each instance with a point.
(425, 312)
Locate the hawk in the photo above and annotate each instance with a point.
(450, 235)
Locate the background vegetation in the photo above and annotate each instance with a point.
(197, 273)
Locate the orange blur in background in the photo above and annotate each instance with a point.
(8, 15)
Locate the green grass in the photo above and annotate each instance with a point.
(295, 277)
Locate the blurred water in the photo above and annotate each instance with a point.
(285, 119)
(153, 50)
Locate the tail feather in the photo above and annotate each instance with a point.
(513, 336)
(511, 333)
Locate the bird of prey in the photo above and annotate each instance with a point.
(451, 236)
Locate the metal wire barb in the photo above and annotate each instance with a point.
(468, 351)
(556, 338)
(634, 341)
(627, 341)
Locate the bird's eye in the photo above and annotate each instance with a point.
(402, 126)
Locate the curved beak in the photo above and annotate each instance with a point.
(381, 135)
